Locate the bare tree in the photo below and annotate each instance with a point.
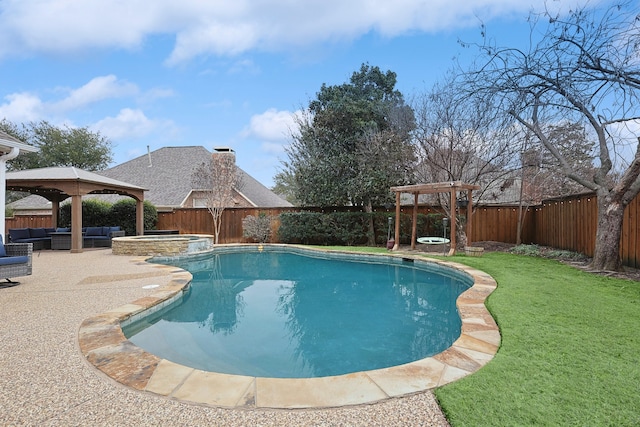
(218, 180)
(583, 69)
(457, 140)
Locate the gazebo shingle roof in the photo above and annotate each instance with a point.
(68, 174)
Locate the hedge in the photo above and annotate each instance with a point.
(351, 228)
(98, 213)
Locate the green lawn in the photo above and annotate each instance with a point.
(570, 352)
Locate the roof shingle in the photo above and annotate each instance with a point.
(166, 173)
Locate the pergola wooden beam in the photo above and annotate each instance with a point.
(451, 187)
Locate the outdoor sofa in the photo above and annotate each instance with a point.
(39, 237)
(93, 237)
(100, 237)
(15, 260)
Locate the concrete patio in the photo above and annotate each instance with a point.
(45, 380)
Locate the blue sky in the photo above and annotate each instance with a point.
(194, 72)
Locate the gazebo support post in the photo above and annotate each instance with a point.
(414, 222)
(139, 217)
(452, 238)
(76, 223)
(55, 208)
(397, 227)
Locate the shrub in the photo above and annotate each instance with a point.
(424, 227)
(345, 228)
(302, 227)
(530, 250)
(95, 213)
(544, 252)
(123, 213)
(566, 255)
(257, 228)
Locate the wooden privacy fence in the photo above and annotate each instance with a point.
(497, 223)
(565, 223)
(568, 223)
(27, 221)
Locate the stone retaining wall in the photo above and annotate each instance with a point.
(150, 247)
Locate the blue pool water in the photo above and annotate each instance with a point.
(295, 315)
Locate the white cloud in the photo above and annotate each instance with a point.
(132, 124)
(271, 126)
(228, 28)
(272, 148)
(26, 106)
(155, 94)
(98, 89)
(215, 38)
(22, 107)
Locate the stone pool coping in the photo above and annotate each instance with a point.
(104, 345)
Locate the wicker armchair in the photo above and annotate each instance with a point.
(17, 269)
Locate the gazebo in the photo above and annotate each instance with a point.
(59, 183)
(451, 187)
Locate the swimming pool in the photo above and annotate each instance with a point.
(282, 313)
(105, 347)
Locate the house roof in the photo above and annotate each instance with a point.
(166, 173)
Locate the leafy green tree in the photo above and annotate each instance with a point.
(354, 143)
(64, 146)
(284, 186)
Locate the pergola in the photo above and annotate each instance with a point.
(451, 187)
(58, 184)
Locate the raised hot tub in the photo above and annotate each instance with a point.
(168, 245)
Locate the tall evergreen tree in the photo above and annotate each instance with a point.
(354, 143)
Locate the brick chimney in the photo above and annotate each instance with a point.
(223, 161)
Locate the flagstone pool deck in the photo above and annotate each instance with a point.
(64, 360)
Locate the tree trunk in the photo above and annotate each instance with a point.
(607, 250)
(520, 215)
(216, 214)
